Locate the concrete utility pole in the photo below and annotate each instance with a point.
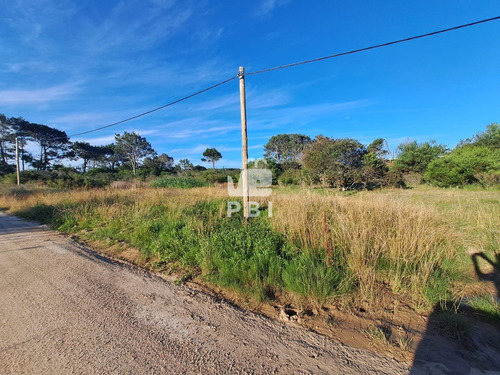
(244, 143)
(17, 162)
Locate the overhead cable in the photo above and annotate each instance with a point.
(156, 109)
(289, 66)
(373, 47)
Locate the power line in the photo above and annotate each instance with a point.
(157, 109)
(373, 47)
(289, 66)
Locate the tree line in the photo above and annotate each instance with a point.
(129, 150)
(343, 163)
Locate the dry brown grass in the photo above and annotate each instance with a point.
(396, 238)
(382, 240)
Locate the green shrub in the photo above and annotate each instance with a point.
(291, 177)
(464, 165)
(245, 256)
(178, 182)
(212, 176)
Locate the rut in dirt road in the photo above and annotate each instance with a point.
(65, 309)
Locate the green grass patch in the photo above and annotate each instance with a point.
(308, 275)
(485, 305)
(178, 182)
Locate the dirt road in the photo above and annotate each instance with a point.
(65, 309)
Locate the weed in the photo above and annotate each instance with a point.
(377, 334)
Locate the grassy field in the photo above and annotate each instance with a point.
(319, 246)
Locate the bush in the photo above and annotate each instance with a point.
(464, 165)
(290, 177)
(178, 182)
(246, 257)
(212, 176)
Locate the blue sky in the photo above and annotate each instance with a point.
(78, 65)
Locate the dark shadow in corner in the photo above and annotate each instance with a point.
(460, 338)
(493, 276)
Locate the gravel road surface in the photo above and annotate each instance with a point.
(65, 309)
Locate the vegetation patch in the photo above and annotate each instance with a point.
(178, 182)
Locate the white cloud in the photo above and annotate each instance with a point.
(268, 6)
(38, 96)
(190, 133)
(146, 27)
(99, 141)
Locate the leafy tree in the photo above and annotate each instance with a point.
(7, 145)
(335, 162)
(87, 152)
(489, 138)
(374, 170)
(20, 126)
(415, 157)
(54, 144)
(133, 148)
(185, 165)
(377, 147)
(465, 165)
(211, 155)
(271, 164)
(287, 147)
(109, 158)
(157, 164)
(199, 168)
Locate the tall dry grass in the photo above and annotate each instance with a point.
(381, 240)
(402, 239)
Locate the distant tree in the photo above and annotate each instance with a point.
(155, 165)
(199, 168)
(378, 148)
(287, 147)
(375, 167)
(20, 127)
(415, 157)
(87, 153)
(211, 155)
(271, 164)
(132, 148)
(7, 145)
(185, 165)
(489, 138)
(336, 162)
(109, 158)
(53, 143)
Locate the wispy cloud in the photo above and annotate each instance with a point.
(190, 133)
(98, 141)
(38, 96)
(267, 7)
(147, 26)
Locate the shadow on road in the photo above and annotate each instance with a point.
(460, 338)
(12, 224)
